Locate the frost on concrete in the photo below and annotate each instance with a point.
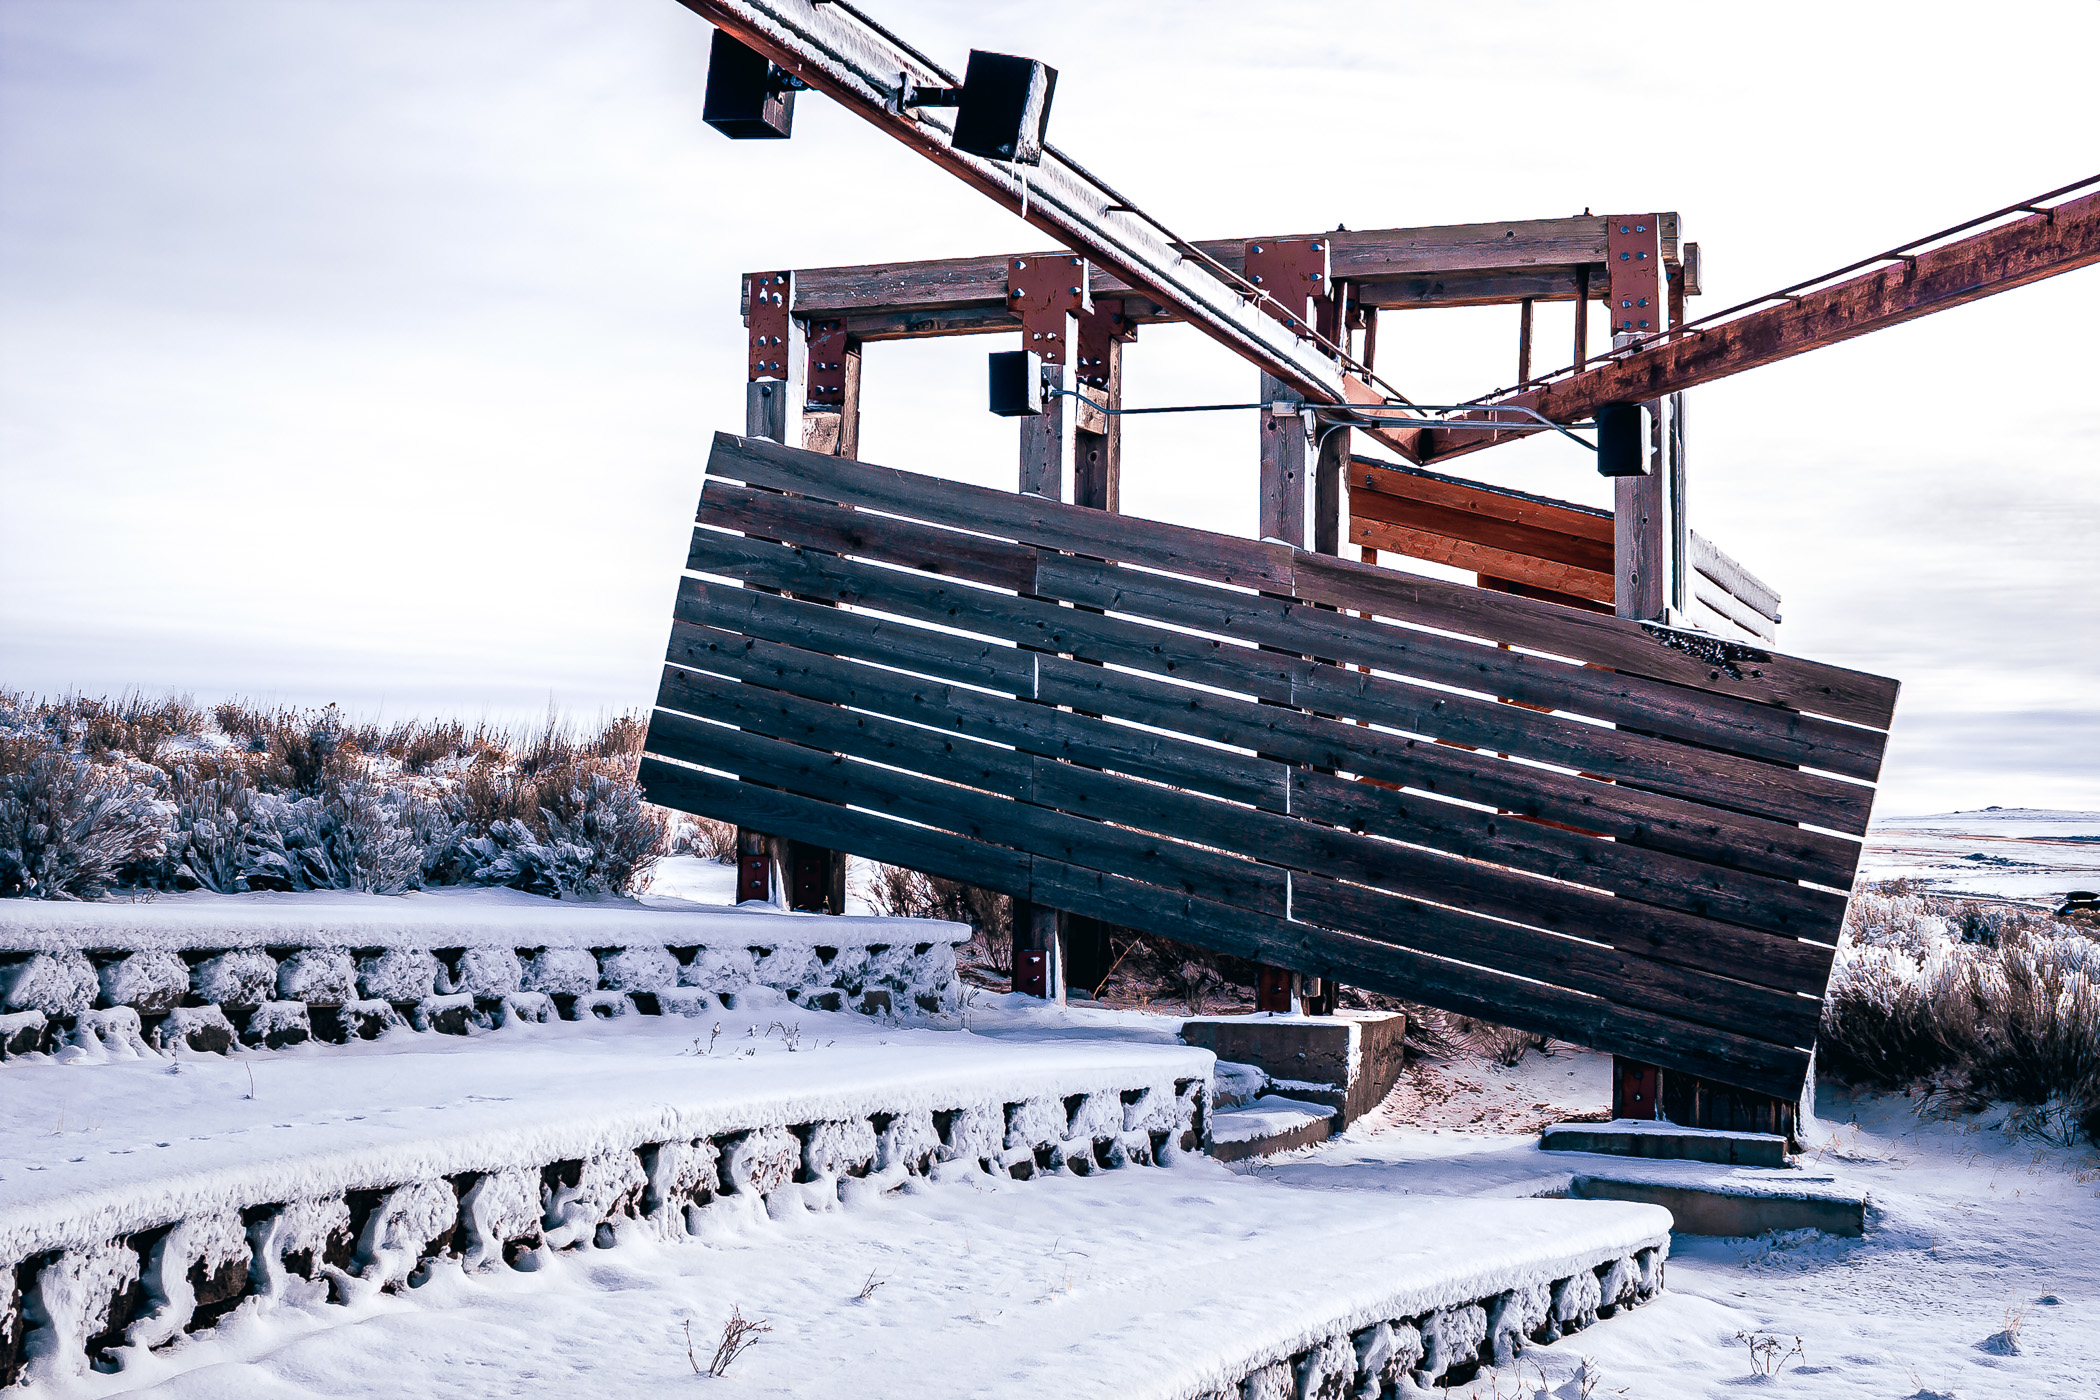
(449, 1015)
(1574, 1303)
(489, 972)
(1454, 1335)
(500, 1207)
(113, 1034)
(1326, 1370)
(562, 972)
(150, 981)
(607, 1183)
(69, 1303)
(908, 1140)
(216, 1241)
(202, 1028)
(838, 1148)
(761, 1161)
(640, 969)
(788, 968)
(276, 1024)
(1384, 1355)
(57, 984)
(976, 1133)
(241, 977)
(1518, 1315)
(296, 1230)
(682, 1172)
(720, 969)
(407, 1220)
(398, 974)
(685, 1001)
(318, 976)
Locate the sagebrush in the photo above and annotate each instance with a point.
(99, 794)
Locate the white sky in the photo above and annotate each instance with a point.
(368, 350)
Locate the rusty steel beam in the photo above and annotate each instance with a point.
(2043, 242)
(864, 70)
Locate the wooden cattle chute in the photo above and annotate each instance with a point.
(1277, 753)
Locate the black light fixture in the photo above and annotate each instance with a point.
(1016, 383)
(1004, 108)
(1620, 450)
(748, 99)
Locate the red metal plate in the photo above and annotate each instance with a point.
(766, 318)
(1044, 292)
(827, 362)
(1634, 254)
(1098, 329)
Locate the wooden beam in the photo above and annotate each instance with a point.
(1709, 559)
(1480, 558)
(1479, 498)
(2022, 251)
(1456, 265)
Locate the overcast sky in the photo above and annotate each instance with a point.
(368, 352)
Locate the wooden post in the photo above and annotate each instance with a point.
(1331, 491)
(1097, 457)
(1644, 556)
(1582, 316)
(1680, 581)
(1524, 345)
(1282, 507)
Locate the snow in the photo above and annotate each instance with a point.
(2020, 853)
(441, 918)
(1266, 1117)
(1636, 1127)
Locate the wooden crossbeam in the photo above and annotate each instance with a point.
(1450, 265)
(2013, 254)
(1509, 536)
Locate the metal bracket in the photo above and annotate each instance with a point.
(1634, 246)
(766, 318)
(1098, 329)
(1044, 292)
(1296, 274)
(827, 363)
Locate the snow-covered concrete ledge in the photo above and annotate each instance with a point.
(278, 969)
(144, 1237)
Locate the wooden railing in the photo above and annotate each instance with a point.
(1277, 754)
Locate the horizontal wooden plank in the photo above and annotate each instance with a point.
(1708, 834)
(857, 634)
(1753, 674)
(1642, 649)
(1656, 877)
(1478, 498)
(1481, 559)
(1136, 850)
(1528, 541)
(770, 515)
(1372, 255)
(1697, 775)
(976, 813)
(1425, 291)
(1357, 960)
(1709, 559)
(1726, 607)
(1632, 872)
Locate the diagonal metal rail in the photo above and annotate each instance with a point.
(833, 50)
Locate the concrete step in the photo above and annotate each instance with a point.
(1268, 1125)
(1627, 1137)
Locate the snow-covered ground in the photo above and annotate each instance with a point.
(2029, 854)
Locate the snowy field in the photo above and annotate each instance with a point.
(2021, 853)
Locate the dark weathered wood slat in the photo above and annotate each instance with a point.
(1686, 949)
(1007, 809)
(1751, 673)
(1699, 776)
(1697, 717)
(819, 525)
(857, 634)
(1632, 872)
(1674, 711)
(1703, 833)
(1359, 961)
(1616, 642)
(978, 814)
(1027, 519)
(1662, 878)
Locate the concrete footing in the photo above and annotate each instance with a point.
(1630, 1138)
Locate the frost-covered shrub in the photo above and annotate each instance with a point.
(151, 980)
(68, 827)
(562, 972)
(57, 984)
(1919, 994)
(319, 976)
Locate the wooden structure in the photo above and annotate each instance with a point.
(1585, 796)
(1282, 754)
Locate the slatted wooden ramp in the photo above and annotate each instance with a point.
(1621, 835)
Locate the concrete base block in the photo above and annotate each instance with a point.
(1347, 1061)
(1711, 1210)
(1666, 1141)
